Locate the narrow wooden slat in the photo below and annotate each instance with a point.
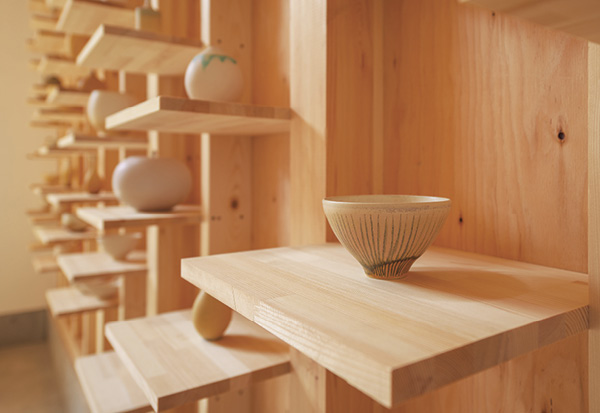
(173, 365)
(454, 315)
(96, 265)
(134, 51)
(180, 115)
(69, 300)
(123, 216)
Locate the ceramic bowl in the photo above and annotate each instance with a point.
(103, 103)
(119, 245)
(151, 184)
(99, 288)
(386, 233)
(214, 75)
(72, 223)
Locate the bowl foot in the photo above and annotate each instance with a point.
(392, 270)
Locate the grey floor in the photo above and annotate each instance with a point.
(28, 381)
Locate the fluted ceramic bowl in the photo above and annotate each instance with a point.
(386, 233)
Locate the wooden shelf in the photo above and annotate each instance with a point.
(107, 385)
(173, 365)
(74, 140)
(134, 51)
(124, 216)
(45, 263)
(52, 152)
(179, 115)
(454, 315)
(42, 21)
(67, 97)
(48, 42)
(578, 17)
(44, 189)
(84, 16)
(94, 265)
(66, 115)
(49, 124)
(54, 235)
(44, 218)
(69, 300)
(59, 66)
(69, 198)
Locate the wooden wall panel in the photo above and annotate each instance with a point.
(474, 106)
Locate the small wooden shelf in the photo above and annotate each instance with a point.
(69, 198)
(67, 97)
(94, 265)
(45, 218)
(45, 263)
(173, 365)
(54, 235)
(454, 315)
(48, 42)
(44, 189)
(107, 385)
(42, 21)
(49, 124)
(60, 66)
(53, 152)
(74, 140)
(134, 51)
(124, 216)
(84, 16)
(179, 115)
(69, 300)
(67, 115)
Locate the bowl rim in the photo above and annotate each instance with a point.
(386, 200)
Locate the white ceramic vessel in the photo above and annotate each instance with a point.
(386, 233)
(72, 223)
(151, 184)
(214, 75)
(103, 103)
(99, 288)
(210, 316)
(119, 245)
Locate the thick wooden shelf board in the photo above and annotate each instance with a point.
(44, 189)
(45, 263)
(88, 266)
(67, 115)
(124, 216)
(42, 21)
(84, 16)
(578, 17)
(173, 365)
(134, 51)
(45, 218)
(53, 235)
(454, 315)
(48, 42)
(53, 65)
(49, 124)
(107, 386)
(46, 152)
(69, 198)
(69, 300)
(67, 97)
(179, 115)
(73, 141)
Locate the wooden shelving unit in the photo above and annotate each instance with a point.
(84, 16)
(46, 263)
(74, 140)
(66, 301)
(97, 265)
(68, 198)
(453, 308)
(134, 51)
(67, 97)
(126, 217)
(54, 235)
(187, 367)
(179, 115)
(107, 385)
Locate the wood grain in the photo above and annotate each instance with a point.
(134, 51)
(180, 115)
(173, 365)
(127, 217)
(58, 66)
(54, 235)
(67, 97)
(73, 140)
(69, 300)
(89, 266)
(69, 198)
(107, 385)
(456, 314)
(84, 16)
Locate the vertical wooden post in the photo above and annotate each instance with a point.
(594, 222)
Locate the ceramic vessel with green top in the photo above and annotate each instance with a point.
(214, 75)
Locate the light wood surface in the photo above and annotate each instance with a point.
(45, 124)
(463, 311)
(107, 386)
(180, 115)
(594, 221)
(60, 114)
(174, 365)
(88, 266)
(51, 65)
(48, 42)
(69, 198)
(69, 300)
(67, 97)
(74, 140)
(42, 21)
(577, 17)
(44, 189)
(124, 216)
(84, 16)
(53, 235)
(45, 263)
(134, 51)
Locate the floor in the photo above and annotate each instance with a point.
(28, 381)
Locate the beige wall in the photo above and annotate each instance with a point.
(21, 289)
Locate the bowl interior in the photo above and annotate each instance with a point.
(385, 200)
